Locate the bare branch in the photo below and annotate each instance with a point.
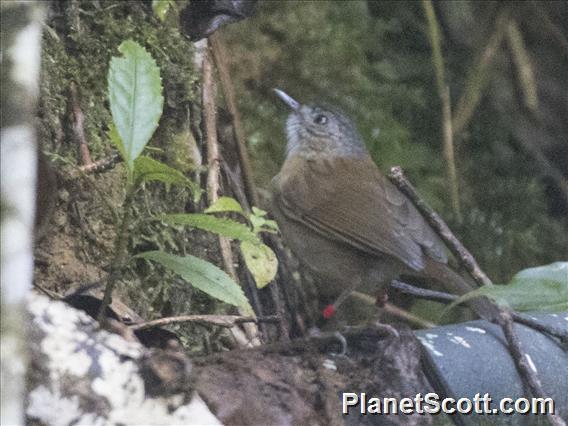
(218, 320)
(219, 55)
(213, 165)
(101, 165)
(397, 177)
(78, 120)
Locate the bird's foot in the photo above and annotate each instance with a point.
(336, 336)
(387, 329)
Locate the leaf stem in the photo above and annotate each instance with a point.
(120, 252)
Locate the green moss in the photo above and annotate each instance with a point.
(78, 45)
(79, 41)
(373, 60)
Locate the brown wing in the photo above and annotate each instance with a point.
(350, 201)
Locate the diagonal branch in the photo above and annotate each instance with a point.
(397, 177)
(505, 320)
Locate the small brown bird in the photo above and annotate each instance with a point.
(344, 220)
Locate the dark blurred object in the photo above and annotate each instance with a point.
(462, 360)
(90, 305)
(151, 338)
(523, 84)
(165, 372)
(202, 18)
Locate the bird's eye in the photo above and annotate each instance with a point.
(320, 119)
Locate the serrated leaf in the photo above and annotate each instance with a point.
(148, 169)
(219, 225)
(202, 275)
(115, 138)
(225, 204)
(135, 96)
(544, 288)
(261, 262)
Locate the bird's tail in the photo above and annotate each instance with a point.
(454, 283)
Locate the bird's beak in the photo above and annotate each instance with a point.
(292, 103)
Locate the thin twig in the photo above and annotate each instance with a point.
(395, 311)
(210, 118)
(323, 341)
(213, 165)
(523, 363)
(527, 374)
(49, 293)
(442, 297)
(78, 120)
(220, 55)
(218, 320)
(559, 333)
(423, 293)
(444, 94)
(397, 177)
(102, 165)
(407, 316)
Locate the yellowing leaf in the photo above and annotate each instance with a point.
(161, 8)
(261, 262)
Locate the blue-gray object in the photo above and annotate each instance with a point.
(471, 358)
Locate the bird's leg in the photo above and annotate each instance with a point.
(380, 301)
(331, 309)
(382, 296)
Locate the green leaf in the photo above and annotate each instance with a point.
(260, 224)
(258, 212)
(202, 275)
(147, 169)
(261, 262)
(270, 226)
(225, 204)
(160, 8)
(136, 101)
(544, 288)
(115, 138)
(221, 226)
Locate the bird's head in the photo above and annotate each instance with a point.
(313, 130)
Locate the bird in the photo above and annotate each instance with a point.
(345, 220)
